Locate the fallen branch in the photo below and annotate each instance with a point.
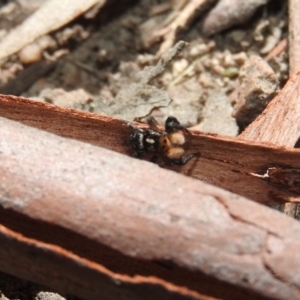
(90, 221)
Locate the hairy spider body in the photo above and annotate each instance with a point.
(167, 145)
(143, 141)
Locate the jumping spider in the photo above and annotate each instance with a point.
(166, 145)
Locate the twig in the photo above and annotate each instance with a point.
(179, 21)
(277, 50)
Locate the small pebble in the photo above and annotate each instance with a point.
(240, 58)
(199, 50)
(179, 66)
(48, 296)
(46, 42)
(30, 54)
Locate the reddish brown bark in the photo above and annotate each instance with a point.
(119, 215)
(238, 166)
(279, 123)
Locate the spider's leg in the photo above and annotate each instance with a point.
(183, 160)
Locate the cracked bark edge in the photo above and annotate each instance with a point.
(278, 123)
(126, 215)
(294, 64)
(275, 259)
(22, 256)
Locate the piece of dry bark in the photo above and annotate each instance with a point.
(94, 223)
(258, 86)
(49, 17)
(222, 161)
(279, 122)
(228, 13)
(294, 64)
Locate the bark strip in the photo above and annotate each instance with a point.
(262, 172)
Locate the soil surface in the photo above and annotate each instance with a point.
(98, 64)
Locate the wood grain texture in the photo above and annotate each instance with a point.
(280, 121)
(83, 217)
(233, 164)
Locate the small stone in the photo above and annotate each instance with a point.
(199, 50)
(48, 296)
(179, 66)
(31, 53)
(46, 42)
(228, 60)
(77, 98)
(258, 85)
(240, 58)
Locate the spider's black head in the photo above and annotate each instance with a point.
(172, 124)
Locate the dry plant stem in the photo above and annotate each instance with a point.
(100, 219)
(294, 35)
(280, 47)
(223, 161)
(181, 20)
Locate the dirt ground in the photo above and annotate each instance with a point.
(96, 64)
